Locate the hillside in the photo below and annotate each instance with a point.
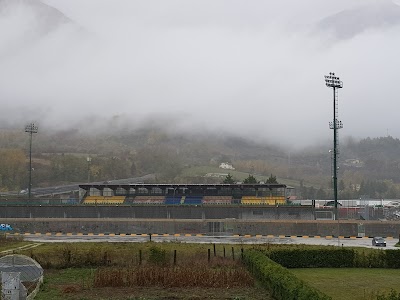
(61, 157)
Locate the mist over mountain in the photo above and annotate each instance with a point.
(37, 21)
(46, 16)
(227, 67)
(382, 14)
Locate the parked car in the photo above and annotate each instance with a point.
(378, 241)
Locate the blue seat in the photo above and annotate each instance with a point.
(173, 200)
(193, 200)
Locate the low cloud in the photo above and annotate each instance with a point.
(255, 70)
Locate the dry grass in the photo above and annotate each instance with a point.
(195, 276)
(158, 270)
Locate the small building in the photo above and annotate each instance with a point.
(226, 166)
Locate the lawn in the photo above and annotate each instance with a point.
(72, 272)
(351, 284)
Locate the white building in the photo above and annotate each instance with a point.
(226, 166)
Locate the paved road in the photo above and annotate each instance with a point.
(346, 242)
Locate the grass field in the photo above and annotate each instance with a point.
(72, 273)
(351, 284)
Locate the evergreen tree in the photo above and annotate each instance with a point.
(250, 179)
(229, 179)
(272, 179)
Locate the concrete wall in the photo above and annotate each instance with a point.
(159, 212)
(219, 220)
(208, 227)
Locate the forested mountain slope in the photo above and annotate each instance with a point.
(61, 157)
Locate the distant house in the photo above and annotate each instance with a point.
(226, 166)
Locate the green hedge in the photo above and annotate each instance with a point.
(392, 259)
(314, 258)
(280, 281)
(332, 257)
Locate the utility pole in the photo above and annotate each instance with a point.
(31, 129)
(334, 82)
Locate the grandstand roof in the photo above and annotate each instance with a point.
(180, 186)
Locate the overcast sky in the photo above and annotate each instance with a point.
(249, 67)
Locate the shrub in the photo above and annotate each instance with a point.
(370, 259)
(314, 258)
(392, 259)
(280, 281)
(157, 256)
(393, 295)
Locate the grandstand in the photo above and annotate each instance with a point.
(183, 194)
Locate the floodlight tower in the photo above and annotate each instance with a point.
(334, 82)
(31, 129)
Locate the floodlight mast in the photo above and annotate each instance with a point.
(31, 129)
(333, 81)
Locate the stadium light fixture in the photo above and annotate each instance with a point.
(31, 129)
(333, 81)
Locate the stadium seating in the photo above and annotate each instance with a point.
(193, 200)
(184, 200)
(173, 200)
(104, 200)
(272, 200)
(251, 200)
(275, 200)
(217, 199)
(149, 200)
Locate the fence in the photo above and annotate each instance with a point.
(295, 210)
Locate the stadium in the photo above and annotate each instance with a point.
(118, 207)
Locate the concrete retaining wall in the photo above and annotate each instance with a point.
(208, 227)
(218, 220)
(159, 212)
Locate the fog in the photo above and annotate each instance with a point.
(249, 68)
